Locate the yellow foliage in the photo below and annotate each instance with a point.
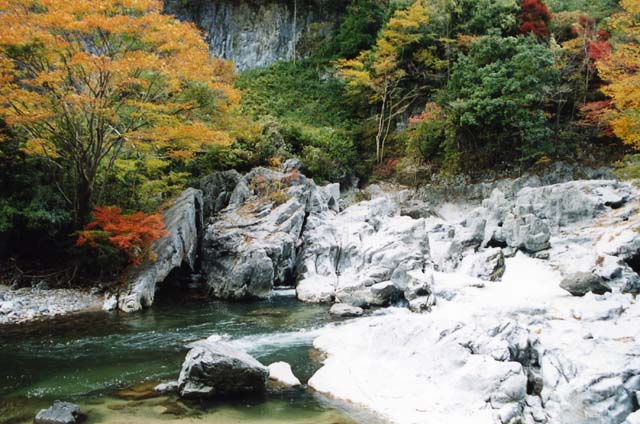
(620, 70)
(80, 76)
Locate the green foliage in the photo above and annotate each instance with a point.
(358, 29)
(629, 168)
(481, 17)
(29, 200)
(593, 8)
(305, 112)
(302, 91)
(497, 95)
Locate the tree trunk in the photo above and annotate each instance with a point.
(84, 199)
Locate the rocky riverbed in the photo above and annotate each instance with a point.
(505, 302)
(504, 340)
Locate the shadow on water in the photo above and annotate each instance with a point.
(89, 358)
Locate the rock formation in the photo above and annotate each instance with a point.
(183, 221)
(252, 244)
(216, 369)
(255, 34)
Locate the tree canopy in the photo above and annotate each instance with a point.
(82, 83)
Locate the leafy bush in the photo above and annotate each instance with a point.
(131, 234)
(497, 95)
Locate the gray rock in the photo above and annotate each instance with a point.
(216, 190)
(422, 304)
(252, 245)
(216, 369)
(42, 285)
(581, 283)
(344, 310)
(179, 247)
(363, 256)
(417, 211)
(256, 34)
(293, 164)
(487, 265)
(385, 294)
(59, 413)
(7, 307)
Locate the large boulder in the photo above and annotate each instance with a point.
(252, 244)
(581, 283)
(59, 413)
(183, 222)
(216, 369)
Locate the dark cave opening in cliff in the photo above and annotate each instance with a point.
(181, 286)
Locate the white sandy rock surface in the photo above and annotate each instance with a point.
(519, 349)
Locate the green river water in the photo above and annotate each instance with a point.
(107, 363)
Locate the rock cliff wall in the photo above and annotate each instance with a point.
(257, 33)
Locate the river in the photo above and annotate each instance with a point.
(108, 363)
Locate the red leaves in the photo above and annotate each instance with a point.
(432, 112)
(132, 234)
(386, 169)
(534, 18)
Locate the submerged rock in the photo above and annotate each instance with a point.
(281, 373)
(59, 413)
(344, 310)
(581, 283)
(216, 369)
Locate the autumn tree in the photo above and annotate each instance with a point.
(621, 70)
(131, 234)
(534, 18)
(82, 82)
(380, 72)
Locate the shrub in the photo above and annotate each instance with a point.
(131, 234)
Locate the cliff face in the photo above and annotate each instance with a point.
(255, 33)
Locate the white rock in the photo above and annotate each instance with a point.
(110, 302)
(633, 418)
(344, 310)
(281, 372)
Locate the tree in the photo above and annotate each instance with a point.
(535, 18)
(497, 95)
(358, 30)
(589, 45)
(381, 71)
(82, 82)
(620, 70)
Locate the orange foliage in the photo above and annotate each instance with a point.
(86, 80)
(621, 70)
(132, 234)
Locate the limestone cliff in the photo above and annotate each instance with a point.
(256, 33)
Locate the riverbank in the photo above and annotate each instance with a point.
(26, 305)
